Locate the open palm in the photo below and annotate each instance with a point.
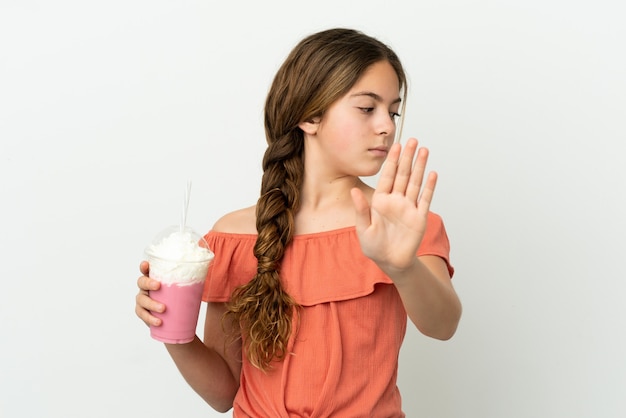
(391, 227)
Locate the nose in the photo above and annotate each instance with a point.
(385, 124)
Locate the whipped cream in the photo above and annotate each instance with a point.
(178, 258)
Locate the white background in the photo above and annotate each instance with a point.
(108, 108)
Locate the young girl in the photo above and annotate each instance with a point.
(309, 292)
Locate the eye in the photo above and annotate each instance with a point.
(394, 115)
(366, 109)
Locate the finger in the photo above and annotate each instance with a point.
(388, 174)
(144, 300)
(147, 317)
(146, 283)
(417, 175)
(428, 191)
(405, 165)
(144, 267)
(145, 305)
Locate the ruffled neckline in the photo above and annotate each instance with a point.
(319, 267)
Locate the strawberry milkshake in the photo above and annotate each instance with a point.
(179, 258)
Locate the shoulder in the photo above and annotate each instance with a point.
(241, 221)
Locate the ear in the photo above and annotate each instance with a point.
(310, 126)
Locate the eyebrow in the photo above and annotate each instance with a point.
(374, 96)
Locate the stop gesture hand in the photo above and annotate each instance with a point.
(391, 227)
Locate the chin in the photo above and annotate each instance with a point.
(369, 173)
(368, 170)
(372, 172)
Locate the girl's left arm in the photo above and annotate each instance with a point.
(391, 228)
(429, 297)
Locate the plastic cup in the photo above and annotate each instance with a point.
(182, 281)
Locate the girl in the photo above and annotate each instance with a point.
(309, 291)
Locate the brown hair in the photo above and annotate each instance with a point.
(318, 71)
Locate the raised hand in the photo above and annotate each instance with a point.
(392, 225)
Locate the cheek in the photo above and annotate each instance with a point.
(344, 133)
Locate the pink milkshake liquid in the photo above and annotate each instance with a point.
(182, 305)
(179, 259)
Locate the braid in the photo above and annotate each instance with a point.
(262, 309)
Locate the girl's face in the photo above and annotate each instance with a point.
(354, 135)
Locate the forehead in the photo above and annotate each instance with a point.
(380, 79)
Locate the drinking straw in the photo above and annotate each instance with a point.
(185, 206)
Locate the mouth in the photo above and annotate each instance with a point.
(379, 151)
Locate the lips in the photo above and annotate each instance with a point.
(379, 151)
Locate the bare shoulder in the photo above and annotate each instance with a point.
(241, 221)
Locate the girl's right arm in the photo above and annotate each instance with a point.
(211, 367)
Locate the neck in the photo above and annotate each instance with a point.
(326, 206)
(321, 194)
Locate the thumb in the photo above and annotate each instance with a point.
(362, 209)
